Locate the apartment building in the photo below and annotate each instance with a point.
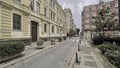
(91, 10)
(69, 20)
(31, 20)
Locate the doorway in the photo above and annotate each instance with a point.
(34, 31)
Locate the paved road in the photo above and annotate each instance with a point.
(56, 57)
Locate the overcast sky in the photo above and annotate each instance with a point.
(77, 7)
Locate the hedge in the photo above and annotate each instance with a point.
(112, 52)
(97, 40)
(10, 48)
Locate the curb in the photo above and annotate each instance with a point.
(21, 59)
(72, 61)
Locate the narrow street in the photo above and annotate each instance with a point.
(56, 57)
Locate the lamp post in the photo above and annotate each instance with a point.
(119, 11)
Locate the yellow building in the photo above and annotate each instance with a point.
(14, 20)
(30, 20)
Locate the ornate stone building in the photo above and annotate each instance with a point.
(30, 20)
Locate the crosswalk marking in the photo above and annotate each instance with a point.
(77, 40)
(73, 40)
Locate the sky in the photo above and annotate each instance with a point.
(77, 6)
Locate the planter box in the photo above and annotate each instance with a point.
(52, 43)
(3, 59)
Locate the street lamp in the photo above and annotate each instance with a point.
(119, 11)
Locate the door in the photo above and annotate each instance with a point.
(34, 31)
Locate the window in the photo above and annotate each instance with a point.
(57, 19)
(45, 12)
(53, 4)
(16, 22)
(94, 13)
(45, 27)
(87, 26)
(108, 5)
(54, 17)
(87, 15)
(51, 15)
(116, 10)
(93, 8)
(87, 20)
(52, 29)
(58, 30)
(38, 7)
(100, 7)
(18, 0)
(87, 9)
(116, 3)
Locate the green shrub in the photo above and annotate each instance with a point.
(112, 52)
(59, 39)
(9, 48)
(52, 40)
(97, 40)
(114, 58)
(64, 38)
(40, 42)
(109, 47)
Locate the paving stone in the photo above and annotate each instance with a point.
(89, 57)
(90, 63)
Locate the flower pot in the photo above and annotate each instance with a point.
(40, 47)
(6, 58)
(52, 43)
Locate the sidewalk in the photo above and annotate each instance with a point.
(90, 57)
(28, 52)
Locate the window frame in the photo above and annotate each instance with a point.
(52, 29)
(37, 7)
(45, 11)
(17, 25)
(45, 27)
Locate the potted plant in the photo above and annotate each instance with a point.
(52, 41)
(40, 44)
(64, 38)
(10, 50)
(59, 39)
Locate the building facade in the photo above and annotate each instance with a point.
(69, 20)
(31, 20)
(92, 10)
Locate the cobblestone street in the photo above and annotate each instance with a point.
(56, 57)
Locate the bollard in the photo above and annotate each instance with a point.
(76, 58)
(78, 48)
(80, 41)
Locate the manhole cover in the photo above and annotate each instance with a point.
(90, 63)
(89, 57)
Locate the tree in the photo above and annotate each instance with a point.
(104, 20)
